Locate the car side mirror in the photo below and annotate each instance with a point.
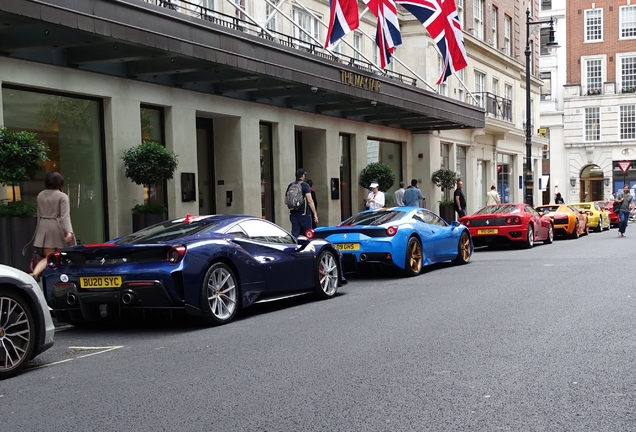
(455, 224)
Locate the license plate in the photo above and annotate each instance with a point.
(348, 246)
(100, 281)
(488, 231)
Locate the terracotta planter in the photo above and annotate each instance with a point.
(141, 221)
(16, 232)
(447, 212)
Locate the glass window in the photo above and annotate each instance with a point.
(264, 231)
(546, 5)
(480, 79)
(593, 25)
(546, 88)
(628, 74)
(498, 209)
(307, 23)
(152, 129)
(507, 105)
(443, 87)
(461, 92)
(357, 44)
(628, 122)
(168, 231)
(478, 12)
(270, 11)
(505, 178)
(345, 177)
(460, 156)
(445, 152)
(593, 74)
(374, 218)
(389, 153)
(241, 7)
(627, 18)
(72, 129)
(267, 167)
(429, 218)
(507, 33)
(592, 124)
(460, 11)
(495, 24)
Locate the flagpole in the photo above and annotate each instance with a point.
(271, 16)
(466, 88)
(236, 6)
(342, 39)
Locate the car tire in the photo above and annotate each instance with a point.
(530, 240)
(550, 238)
(463, 249)
(17, 332)
(575, 232)
(599, 227)
(220, 295)
(413, 260)
(327, 275)
(608, 226)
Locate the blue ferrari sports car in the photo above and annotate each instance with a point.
(407, 238)
(208, 266)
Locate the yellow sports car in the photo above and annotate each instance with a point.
(568, 221)
(597, 218)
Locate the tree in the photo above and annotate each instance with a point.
(377, 172)
(446, 179)
(21, 157)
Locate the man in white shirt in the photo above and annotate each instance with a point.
(398, 196)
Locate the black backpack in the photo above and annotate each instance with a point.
(294, 196)
(616, 206)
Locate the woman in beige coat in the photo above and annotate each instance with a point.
(54, 229)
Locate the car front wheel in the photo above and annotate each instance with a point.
(327, 275)
(17, 333)
(219, 295)
(413, 264)
(463, 249)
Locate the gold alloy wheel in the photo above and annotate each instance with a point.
(464, 248)
(415, 256)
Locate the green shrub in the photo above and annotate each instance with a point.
(149, 163)
(377, 172)
(446, 179)
(21, 156)
(17, 209)
(151, 207)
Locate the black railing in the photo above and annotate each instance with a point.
(238, 23)
(495, 106)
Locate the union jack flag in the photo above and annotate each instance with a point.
(440, 18)
(344, 18)
(388, 31)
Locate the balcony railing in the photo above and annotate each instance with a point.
(495, 106)
(237, 23)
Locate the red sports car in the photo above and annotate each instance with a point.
(607, 206)
(508, 223)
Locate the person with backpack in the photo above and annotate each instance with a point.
(300, 204)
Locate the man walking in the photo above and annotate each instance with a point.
(300, 204)
(398, 196)
(459, 200)
(626, 200)
(413, 195)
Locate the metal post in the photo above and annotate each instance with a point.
(528, 183)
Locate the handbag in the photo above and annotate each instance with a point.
(33, 262)
(616, 207)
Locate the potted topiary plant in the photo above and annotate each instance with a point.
(149, 164)
(446, 179)
(21, 157)
(380, 173)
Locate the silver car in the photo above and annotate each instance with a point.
(26, 328)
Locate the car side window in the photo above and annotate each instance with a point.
(435, 220)
(265, 231)
(237, 231)
(531, 210)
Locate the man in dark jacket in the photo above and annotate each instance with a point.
(301, 218)
(459, 200)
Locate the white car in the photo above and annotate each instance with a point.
(26, 327)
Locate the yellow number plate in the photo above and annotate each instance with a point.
(348, 246)
(100, 281)
(488, 231)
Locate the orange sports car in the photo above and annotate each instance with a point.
(568, 221)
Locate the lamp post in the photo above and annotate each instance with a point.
(528, 183)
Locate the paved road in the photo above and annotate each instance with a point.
(518, 340)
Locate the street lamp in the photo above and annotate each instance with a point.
(528, 183)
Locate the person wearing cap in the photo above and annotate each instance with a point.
(301, 219)
(413, 195)
(375, 199)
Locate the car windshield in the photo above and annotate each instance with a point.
(167, 231)
(550, 208)
(583, 206)
(495, 209)
(374, 218)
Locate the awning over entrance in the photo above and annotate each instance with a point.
(146, 42)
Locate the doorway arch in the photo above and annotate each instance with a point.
(591, 181)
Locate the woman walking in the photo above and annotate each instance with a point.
(54, 230)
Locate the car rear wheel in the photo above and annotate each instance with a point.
(575, 232)
(599, 227)
(550, 238)
(327, 275)
(17, 333)
(463, 249)
(530, 240)
(219, 295)
(413, 265)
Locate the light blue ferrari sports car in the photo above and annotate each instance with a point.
(407, 238)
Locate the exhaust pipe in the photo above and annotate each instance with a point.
(128, 298)
(363, 257)
(71, 299)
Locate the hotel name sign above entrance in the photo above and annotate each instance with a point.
(358, 80)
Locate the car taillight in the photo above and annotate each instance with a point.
(589, 213)
(176, 254)
(466, 222)
(54, 260)
(391, 231)
(309, 234)
(513, 221)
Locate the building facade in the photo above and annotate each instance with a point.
(243, 93)
(599, 101)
